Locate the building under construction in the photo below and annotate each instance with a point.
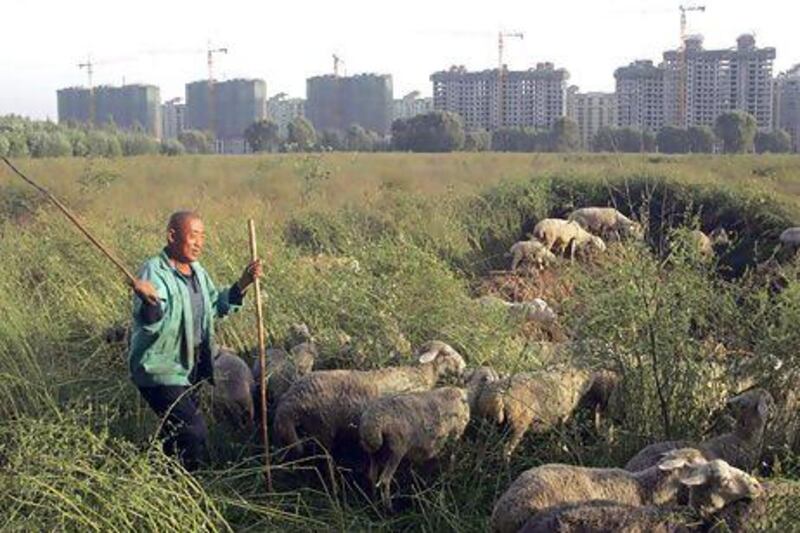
(130, 107)
(235, 105)
(787, 104)
(640, 96)
(338, 102)
(718, 81)
(489, 99)
(592, 112)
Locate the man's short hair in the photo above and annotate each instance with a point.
(179, 218)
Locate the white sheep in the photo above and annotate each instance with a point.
(549, 486)
(713, 488)
(284, 368)
(536, 400)
(532, 252)
(560, 234)
(606, 221)
(740, 447)
(536, 310)
(231, 397)
(326, 405)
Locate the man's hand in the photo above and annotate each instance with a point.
(250, 274)
(146, 291)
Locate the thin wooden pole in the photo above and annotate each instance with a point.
(262, 358)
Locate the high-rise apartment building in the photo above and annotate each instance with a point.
(236, 104)
(338, 102)
(787, 104)
(640, 96)
(490, 99)
(282, 110)
(702, 84)
(592, 112)
(130, 107)
(173, 118)
(411, 105)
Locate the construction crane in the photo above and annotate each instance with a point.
(501, 73)
(212, 119)
(89, 66)
(683, 64)
(337, 61)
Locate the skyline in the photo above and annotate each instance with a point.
(418, 40)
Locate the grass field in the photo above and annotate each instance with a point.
(429, 231)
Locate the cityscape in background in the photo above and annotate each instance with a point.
(690, 86)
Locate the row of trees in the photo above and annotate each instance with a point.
(22, 137)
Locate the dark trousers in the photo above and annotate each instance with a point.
(183, 429)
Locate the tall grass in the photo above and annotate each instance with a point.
(417, 235)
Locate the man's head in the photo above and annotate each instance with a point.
(185, 236)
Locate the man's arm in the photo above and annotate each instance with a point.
(150, 302)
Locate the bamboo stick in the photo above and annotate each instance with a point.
(262, 357)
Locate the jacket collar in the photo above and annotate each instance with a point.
(168, 264)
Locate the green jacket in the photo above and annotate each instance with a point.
(162, 353)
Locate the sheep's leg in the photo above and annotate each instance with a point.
(386, 477)
(517, 433)
(572, 246)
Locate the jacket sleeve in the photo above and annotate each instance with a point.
(225, 301)
(151, 317)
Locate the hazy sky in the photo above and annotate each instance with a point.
(161, 42)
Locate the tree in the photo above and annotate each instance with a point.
(564, 135)
(775, 142)
(331, 140)
(701, 139)
(172, 147)
(672, 140)
(357, 139)
(4, 146)
(737, 130)
(138, 144)
(628, 140)
(196, 142)
(263, 136)
(520, 140)
(477, 141)
(439, 131)
(301, 135)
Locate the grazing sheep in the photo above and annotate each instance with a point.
(535, 310)
(552, 485)
(606, 221)
(740, 447)
(609, 517)
(790, 237)
(326, 405)
(777, 509)
(284, 368)
(536, 401)
(555, 232)
(233, 383)
(597, 398)
(531, 252)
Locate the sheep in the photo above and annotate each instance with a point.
(790, 237)
(536, 400)
(531, 252)
(535, 310)
(777, 509)
(543, 487)
(607, 516)
(326, 405)
(232, 399)
(605, 221)
(555, 232)
(740, 447)
(284, 368)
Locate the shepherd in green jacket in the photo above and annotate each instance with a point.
(170, 354)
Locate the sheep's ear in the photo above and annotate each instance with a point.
(428, 356)
(672, 463)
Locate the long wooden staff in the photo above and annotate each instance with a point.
(130, 278)
(262, 358)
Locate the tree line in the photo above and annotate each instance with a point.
(438, 131)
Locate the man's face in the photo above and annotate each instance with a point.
(186, 241)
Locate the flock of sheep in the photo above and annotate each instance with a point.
(410, 412)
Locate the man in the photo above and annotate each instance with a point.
(173, 334)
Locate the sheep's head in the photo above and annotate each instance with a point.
(635, 230)
(597, 243)
(717, 484)
(443, 357)
(299, 333)
(304, 356)
(681, 459)
(752, 409)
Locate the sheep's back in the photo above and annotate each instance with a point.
(608, 517)
(651, 455)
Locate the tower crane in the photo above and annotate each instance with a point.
(337, 62)
(89, 66)
(501, 73)
(683, 64)
(212, 119)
